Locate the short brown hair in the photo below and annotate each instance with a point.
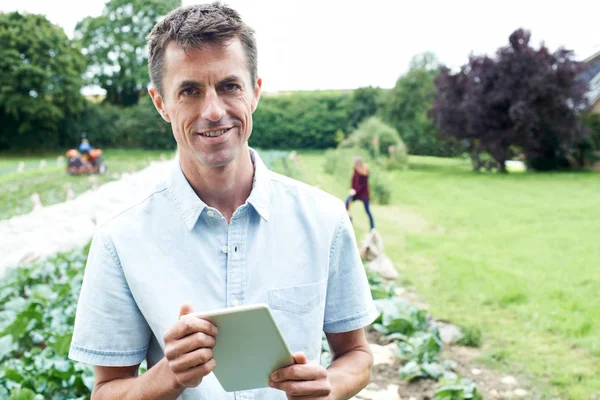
(194, 25)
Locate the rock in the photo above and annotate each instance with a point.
(399, 291)
(390, 393)
(509, 380)
(494, 394)
(476, 371)
(42, 163)
(163, 157)
(383, 354)
(29, 258)
(60, 160)
(520, 392)
(37, 202)
(21, 167)
(449, 333)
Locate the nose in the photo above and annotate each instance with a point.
(212, 107)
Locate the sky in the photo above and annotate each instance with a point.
(345, 44)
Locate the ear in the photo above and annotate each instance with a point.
(159, 103)
(256, 97)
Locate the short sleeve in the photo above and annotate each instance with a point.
(109, 327)
(349, 305)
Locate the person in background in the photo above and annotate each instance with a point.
(85, 146)
(360, 187)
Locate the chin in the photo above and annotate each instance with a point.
(217, 159)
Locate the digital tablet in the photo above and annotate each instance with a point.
(249, 346)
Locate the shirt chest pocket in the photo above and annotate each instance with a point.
(301, 299)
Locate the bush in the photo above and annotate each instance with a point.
(142, 126)
(300, 120)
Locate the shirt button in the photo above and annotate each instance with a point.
(210, 213)
(225, 249)
(235, 302)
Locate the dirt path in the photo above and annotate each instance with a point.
(65, 226)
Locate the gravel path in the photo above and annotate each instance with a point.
(65, 226)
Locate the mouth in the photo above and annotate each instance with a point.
(215, 133)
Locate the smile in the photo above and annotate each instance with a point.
(214, 133)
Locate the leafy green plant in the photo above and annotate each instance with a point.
(37, 312)
(455, 388)
(471, 336)
(399, 317)
(380, 289)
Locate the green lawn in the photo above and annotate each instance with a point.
(517, 256)
(50, 182)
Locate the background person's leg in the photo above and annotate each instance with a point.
(368, 210)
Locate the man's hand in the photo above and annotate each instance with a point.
(188, 348)
(351, 192)
(302, 380)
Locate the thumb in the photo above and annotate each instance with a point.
(300, 358)
(186, 308)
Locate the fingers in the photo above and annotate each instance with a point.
(188, 325)
(300, 358)
(299, 372)
(186, 308)
(193, 377)
(303, 389)
(190, 360)
(189, 344)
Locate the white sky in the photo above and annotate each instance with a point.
(345, 44)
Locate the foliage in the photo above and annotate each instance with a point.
(365, 103)
(374, 136)
(37, 305)
(455, 388)
(299, 120)
(471, 336)
(380, 289)
(405, 107)
(40, 77)
(523, 100)
(397, 316)
(587, 150)
(142, 126)
(115, 45)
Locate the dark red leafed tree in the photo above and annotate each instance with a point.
(523, 100)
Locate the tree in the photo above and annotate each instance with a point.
(41, 77)
(407, 104)
(115, 44)
(363, 104)
(523, 100)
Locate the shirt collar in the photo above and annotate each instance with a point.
(191, 206)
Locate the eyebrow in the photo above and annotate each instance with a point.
(192, 83)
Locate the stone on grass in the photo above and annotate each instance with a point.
(383, 354)
(509, 380)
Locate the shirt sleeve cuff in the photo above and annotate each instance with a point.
(352, 323)
(107, 358)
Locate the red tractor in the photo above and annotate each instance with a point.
(85, 163)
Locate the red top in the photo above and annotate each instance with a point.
(360, 183)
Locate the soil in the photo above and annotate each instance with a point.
(491, 384)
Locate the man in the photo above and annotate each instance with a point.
(220, 231)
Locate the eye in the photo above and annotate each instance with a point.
(231, 87)
(189, 91)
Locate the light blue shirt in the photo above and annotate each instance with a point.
(290, 246)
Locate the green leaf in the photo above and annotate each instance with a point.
(6, 346)
(11, 374)
(410, 371)
(23, 394)
(61, 344)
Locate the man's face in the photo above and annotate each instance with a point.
(209, 99)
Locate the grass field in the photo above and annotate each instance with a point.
(517, 256)
(50, 182)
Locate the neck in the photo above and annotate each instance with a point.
(224, 188)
